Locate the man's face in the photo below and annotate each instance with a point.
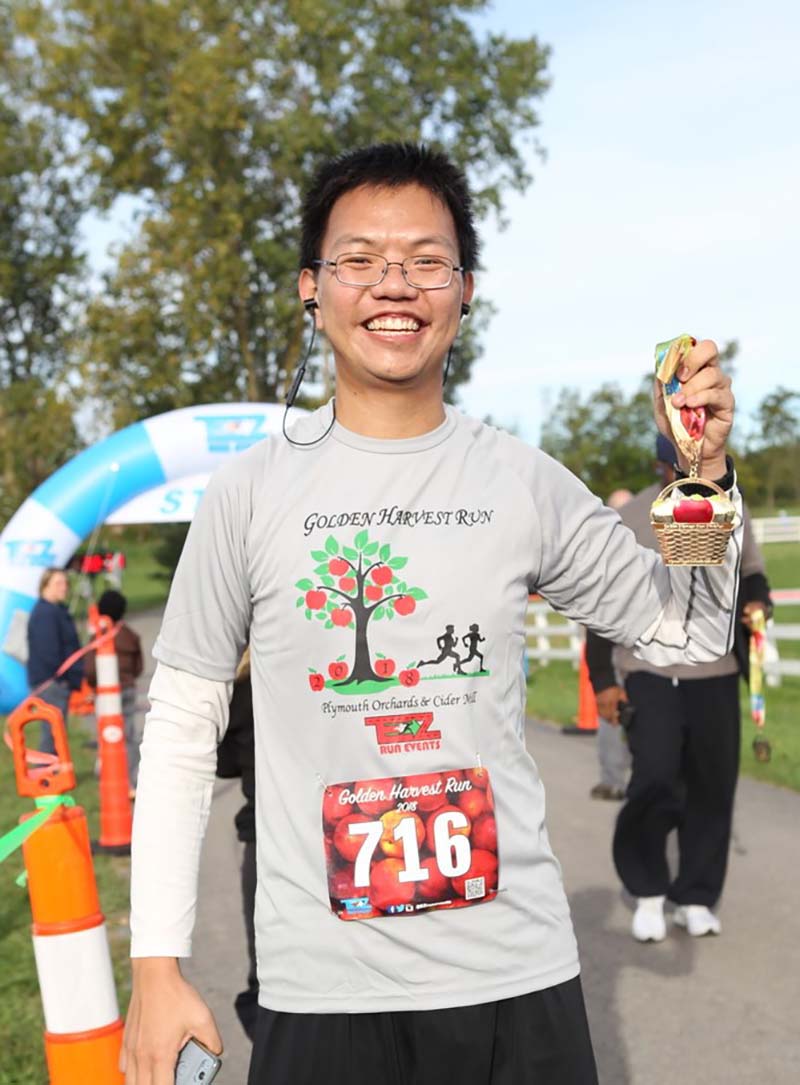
(395, 224)
(57, 588)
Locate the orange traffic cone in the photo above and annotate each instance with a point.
(83, 1028)
(81, 701)
(116, 816)
(586, 722)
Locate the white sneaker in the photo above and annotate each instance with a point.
(697, 920)
(649, 924)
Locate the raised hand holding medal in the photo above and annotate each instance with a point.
(694, 409)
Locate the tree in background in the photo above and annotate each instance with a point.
(40, 266)
(773, 450)
(213, 114)
(607, 438)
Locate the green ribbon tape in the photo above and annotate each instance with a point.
(47, 806)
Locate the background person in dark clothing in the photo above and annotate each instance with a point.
(52, 638)
(684, 740)
(236, 756)
(113, 605)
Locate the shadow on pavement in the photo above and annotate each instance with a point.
(607, 952)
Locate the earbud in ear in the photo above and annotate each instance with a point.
(465, 309)
(310, 304)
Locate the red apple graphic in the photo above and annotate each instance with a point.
(479, 777)
(429, 828)
(373, 592)
(405, 604)
(337, 566)
(484, 833)
(391, 819)
(473, 802)
(332, 809)
(483, 865)
(340, 616)
(382, 575)
(409, 677)
(341, 885)
(385, 888)
(347, 583)
(375, 806)
(693, 510)
(384, 668)
(433, 781)
(315, 600)
(435, 886)
(317, 682)
(338, 670)
(346, 844)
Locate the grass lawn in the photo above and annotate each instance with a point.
(553, 695)
(553, 690)
(22, 1060)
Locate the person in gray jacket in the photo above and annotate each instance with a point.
(684, 735)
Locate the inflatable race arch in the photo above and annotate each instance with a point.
(151, 471)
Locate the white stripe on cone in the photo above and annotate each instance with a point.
(76, 980)
(107, 704)
(107, 668)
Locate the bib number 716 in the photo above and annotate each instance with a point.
(406, 845)
(452, 851)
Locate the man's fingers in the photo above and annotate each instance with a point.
(704, 354)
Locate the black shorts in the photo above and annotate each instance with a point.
(537, 1039)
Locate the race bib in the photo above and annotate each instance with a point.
(407, 844)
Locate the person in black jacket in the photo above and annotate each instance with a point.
(236, 756)
(684, 737)
(52, 639)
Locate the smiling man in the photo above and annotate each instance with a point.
(411, 921)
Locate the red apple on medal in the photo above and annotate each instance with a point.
(693, 510)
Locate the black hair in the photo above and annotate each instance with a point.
(112, 604)
(388, 165)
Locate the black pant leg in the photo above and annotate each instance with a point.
(653, 803)
(537, 1039)
(326, 1049)
(710, 772)
(543, 1039)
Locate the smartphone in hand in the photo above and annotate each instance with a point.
(196, 1065)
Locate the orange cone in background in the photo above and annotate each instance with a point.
(586, 722)
(83, 1028)
(116, 816)
(81, 701)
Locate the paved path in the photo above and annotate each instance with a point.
(716, 1011)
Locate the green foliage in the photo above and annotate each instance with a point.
(605, 437)
(40, 208)
(214, 114)
(773, 451)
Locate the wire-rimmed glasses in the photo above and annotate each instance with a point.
(421, 272)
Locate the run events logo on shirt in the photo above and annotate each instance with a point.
(408, 731)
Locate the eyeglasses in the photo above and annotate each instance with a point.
(367, 269)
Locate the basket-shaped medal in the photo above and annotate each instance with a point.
(694, 540)
(691, 529)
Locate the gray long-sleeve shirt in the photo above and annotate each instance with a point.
(403, 857)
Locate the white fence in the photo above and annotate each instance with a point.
(777, 529)
(544, 627)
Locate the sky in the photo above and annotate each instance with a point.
(667, 202)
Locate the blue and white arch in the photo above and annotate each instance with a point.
(180, 448)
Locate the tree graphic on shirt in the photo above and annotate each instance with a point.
(354, 586)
